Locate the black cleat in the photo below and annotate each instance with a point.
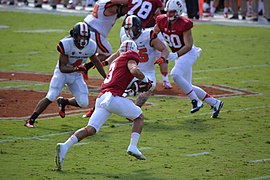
(216, 109)
(197, 105)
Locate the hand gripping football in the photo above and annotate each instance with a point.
(140, 86)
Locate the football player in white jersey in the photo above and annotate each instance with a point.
(147, 11)
(74, 51)
(101, 21)
(147, 42)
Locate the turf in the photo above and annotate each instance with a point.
(177, 145)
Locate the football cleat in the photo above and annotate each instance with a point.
(216, 109)
(89, 113)
(60, 155)
(61, 106)
(167, 85)
(134, 151)
(29, 123)
(197, 105)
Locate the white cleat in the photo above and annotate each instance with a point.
(166, 85)
(134, 151)
(61, 151)
(216, 109)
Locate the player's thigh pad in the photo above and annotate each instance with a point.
(80, 91)
(124, 107)
(99, 117)
(56, 85)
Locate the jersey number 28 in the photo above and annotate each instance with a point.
(144, 11)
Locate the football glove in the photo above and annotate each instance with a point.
(160, 60)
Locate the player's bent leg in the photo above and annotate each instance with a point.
(62, 148)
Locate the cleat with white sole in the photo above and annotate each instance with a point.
(216, 109)
(60, 155)
(133, 151)
(197, 105)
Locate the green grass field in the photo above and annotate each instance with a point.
(177, 145)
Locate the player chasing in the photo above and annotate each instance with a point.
(110, 100)
(74, 51)
(176, 30)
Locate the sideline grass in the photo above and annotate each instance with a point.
(230, 143)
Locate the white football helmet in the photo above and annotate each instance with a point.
(174, 5)
(80, 34)
(128, 45)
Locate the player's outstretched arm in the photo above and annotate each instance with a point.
(98, 65)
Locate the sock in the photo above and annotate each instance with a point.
(72, 140)
(225, 10)
(34, 116)
(212, 8)
(192, 95)
(134, 138)
(210, 100)
(165, 76)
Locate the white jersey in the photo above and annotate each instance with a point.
(74, 80)
(147, 53)
(98, 21)
(76, 56)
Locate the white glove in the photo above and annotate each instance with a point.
(172, 56)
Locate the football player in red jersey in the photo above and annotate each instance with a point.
(176, 30)
(110, 100)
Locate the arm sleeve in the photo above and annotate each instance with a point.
(60, 48)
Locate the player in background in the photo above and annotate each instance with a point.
(147, 11)
(101, 21)
(176, 30)
(148, 44)
(110, 100)
(74, 51)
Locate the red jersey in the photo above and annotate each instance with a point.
(119, 76)
(145, 10)
(173, 35)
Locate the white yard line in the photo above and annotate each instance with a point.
(260, 160)
(232, 68)
(261, 177)
(198, 154)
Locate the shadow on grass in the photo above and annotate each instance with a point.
(135, 174)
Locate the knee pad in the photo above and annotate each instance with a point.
(82, 102)
(52, 94)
